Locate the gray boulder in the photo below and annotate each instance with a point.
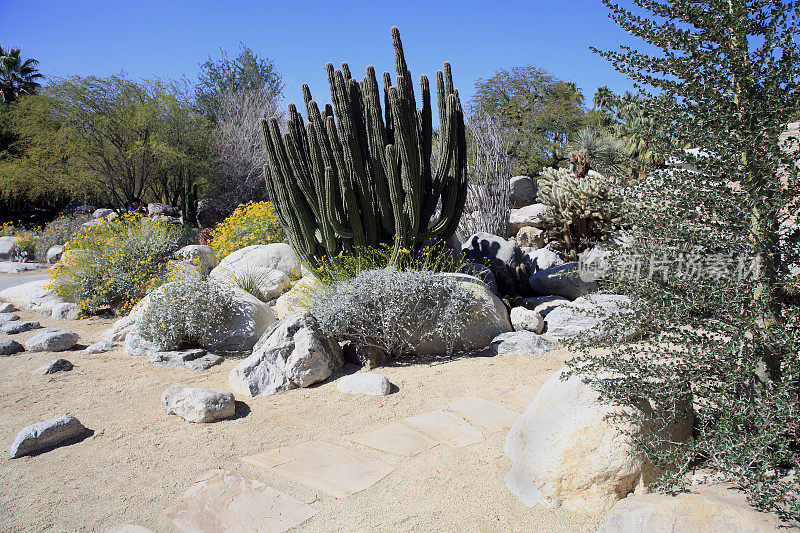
(522, 342)
(561, 280)
(707, 509)
(99, 347)
(293, 353)
(120, 329)
(584, 316)
(56, 365)
(367, 383)
(200, 254)
(35, 295)
(198, 405)
(523, 319)
(52, 340)
(53, 254)
(156, 209)
(530, 215)
(65, 311)
(8, 317)
(45, 435)
(541, 259)
(10, 347)
(101, 212)
(544, 304)
(7, 247)
(503, 257)
(18, 326)
(483, 273)
(135, 345)
(271, 267)
(195, 359)
(7, 307)
(522, 191)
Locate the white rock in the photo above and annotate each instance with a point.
(157, 209)
(544, 304)
(65, 311)
(53, 254)
(52, 340)
(35, 295)
(488, 319)
(99, 347)
(707, 509)
(101, 212)
(47, 434)
(522, 342)
(293, 354)
(530, 215)
(7, 246)
(585, 316)
(201, 254)
(270, 266)
(198, 405)
(522, 191)
(565, 452)
(299, 298)
(120, 329)
(135, 345)
(541, 259)
(364, 383)
(523, 319)
(8, 317)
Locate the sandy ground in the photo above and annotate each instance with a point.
(139, 461)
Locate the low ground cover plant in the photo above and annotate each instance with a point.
(389, 309)
(112, 264)
(249, 224)
(186, 312)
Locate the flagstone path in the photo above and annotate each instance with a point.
(228, 501)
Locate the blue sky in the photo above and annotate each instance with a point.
(168, 38)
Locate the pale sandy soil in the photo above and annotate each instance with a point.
(139, 460)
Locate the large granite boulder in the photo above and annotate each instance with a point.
(198, 405)
(299, 298)
(530, 215)
(706, 509)
(585, 316)
(34, 295)
(52, 340)
(504, 258)
(8, 245)
(294, 353)
(157, 209)
(566, 451)
(200, 255)
(270, 267)
(54, 253)
(522, 191)
(44, 435)
(562, 280)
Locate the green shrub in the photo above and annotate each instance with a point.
(113, 263)
(187, 312)
(389, 308)
(249, 224)
(57, 232)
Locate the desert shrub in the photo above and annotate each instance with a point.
(57, 232)
(113, 263)
(435, 257)
(578, 209)
(8, 229)
(249, 224)
(388, 308)
(186, 312)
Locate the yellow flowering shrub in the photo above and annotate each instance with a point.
(113, 263)
(251, 223)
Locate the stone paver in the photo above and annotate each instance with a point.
(447, 427)
(396, 439)
(489, 415)
(227, 501)
(333, 469)
(522, 396)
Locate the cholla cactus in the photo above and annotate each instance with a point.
(579, 210)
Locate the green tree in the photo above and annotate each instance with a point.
(247, 72)
(17, 77)
(536, 111)
(718, 292)
(603, 98)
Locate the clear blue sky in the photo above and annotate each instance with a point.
(167, 38)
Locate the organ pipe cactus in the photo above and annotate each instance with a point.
(360, 175)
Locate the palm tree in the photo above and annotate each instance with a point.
(603, 98)
(17, 77)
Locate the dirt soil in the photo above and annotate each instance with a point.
(138, 460)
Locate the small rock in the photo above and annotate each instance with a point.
(522, 342)
(18, 326)
(65, 311)
(198, 405)
(523, 319)
(101, 212)
(530, 237)
(8, 317)
(530, 215)
(52, 340)
(53, 254)
(522, 191)
(541, 259)
(7, 307)
(544, 304)
(56, 365)
(196, 359)
(135, 345)
(45, 435)
(561, 280)
(364, 383)
(100, 347)
(10, 347)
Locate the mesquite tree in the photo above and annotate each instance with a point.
(713, 273)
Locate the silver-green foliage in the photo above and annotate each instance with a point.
(391, 309)
(186, 312)
(578, 213)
